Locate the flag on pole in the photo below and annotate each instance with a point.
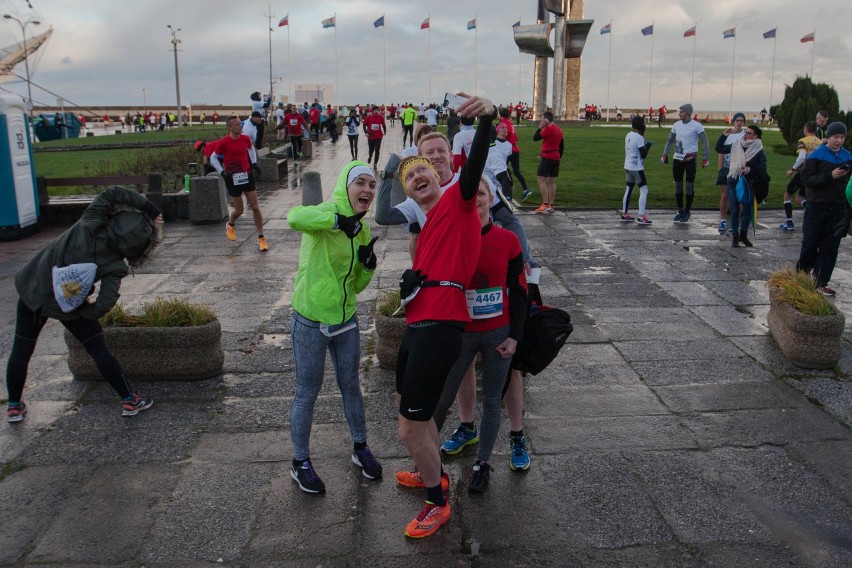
(425, 24)
(516, 24)
(810, 37)
(607, 29)
(471, 25)
(380, 23)
(648, 31)
(285, 21)
(729, 33)
(770, 34)
(329, 22)
(690, 32)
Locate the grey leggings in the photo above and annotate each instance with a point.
(495, 371)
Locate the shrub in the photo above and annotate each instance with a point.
(800, 290)
(388, 303)
(161, 312)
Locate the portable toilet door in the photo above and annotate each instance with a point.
(19, 207)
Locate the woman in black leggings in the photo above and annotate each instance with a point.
(104, 236)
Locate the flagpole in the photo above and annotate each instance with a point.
(609, 70)
(336, 77)
(733, 66)
(289, 66)
(520, 72)
(651, 72)
(813, 51)
(385, 64)
(692, 80)
(269, 15)
(772, 79)
(475, 57)
(429, 29)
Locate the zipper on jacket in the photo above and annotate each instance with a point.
(345, 278)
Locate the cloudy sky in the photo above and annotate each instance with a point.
(108, 51)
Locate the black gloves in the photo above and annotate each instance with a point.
(350, 225)
(366, 256)
(409, 283)
(255, 170)
(150, 210)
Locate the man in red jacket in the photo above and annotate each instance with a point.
(552, 147)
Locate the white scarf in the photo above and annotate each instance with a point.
(742, 151)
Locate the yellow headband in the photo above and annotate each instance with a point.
(411, 162)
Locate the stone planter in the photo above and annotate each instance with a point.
(155, 353)
(812, 342)
(389, 333)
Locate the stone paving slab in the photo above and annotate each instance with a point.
(670, 430)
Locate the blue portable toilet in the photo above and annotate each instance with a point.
(19, 209)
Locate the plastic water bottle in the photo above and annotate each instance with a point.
(186, 183)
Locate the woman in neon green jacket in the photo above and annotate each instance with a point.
(336, 261)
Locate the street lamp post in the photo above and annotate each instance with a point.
(175, 42)
(26, 56)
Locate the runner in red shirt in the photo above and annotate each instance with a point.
(238, 166)
(314, 115)
(294, 122)
(392, 115)
(552, 147)
(444, 262)
(374, 126)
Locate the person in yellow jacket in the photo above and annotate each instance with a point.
(409, 115)
(336, 262)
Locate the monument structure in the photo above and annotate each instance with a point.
(570, 31)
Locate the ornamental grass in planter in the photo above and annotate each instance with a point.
(165, 339)
(805, 325)
(389, 328)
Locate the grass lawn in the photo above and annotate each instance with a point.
(592, 170)
(591, 175)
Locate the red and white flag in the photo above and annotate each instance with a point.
(690, 32)
(285, 21)
(810, 37)
(425, 24)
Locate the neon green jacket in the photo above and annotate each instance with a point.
(409, 115)
(329, 274)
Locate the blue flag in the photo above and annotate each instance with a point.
(380, 22)
(648, 31)
(769, 34)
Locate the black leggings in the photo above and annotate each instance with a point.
(353, 146)
(88, 332)
(296, 145)
(681, 168)
(515, 161)
(373, 145)
(408, 131)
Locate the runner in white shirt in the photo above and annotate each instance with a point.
(684, 135)
(280, 132)
(635, 152)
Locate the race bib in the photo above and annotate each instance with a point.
(294, 122)
(240, 178)
(484, 303)
(375, 126)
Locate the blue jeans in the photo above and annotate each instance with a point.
(309, 346)
(739, 221)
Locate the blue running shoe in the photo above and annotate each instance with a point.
(723, 227)
(684, 218)
(525, 195)
(520, 456)
(461, 437)
(678, 216)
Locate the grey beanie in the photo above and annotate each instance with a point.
(687, 108)
(738, 115)
(835, 128)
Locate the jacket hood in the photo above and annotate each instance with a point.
(129, 233)
(340, 195)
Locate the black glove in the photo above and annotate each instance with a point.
(409, 282)
(150, 210)
(255, 170)
(366, 255)
(350, 225)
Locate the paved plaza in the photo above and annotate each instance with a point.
(669, 432)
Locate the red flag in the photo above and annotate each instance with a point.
(689, 32)
(285, 21)
(425, 24)
(810, 37)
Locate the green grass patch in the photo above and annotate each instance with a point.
(161, 312)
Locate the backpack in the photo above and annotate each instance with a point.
(545, 332)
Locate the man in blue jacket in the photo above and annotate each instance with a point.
(825, 175)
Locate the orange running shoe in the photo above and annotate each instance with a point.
(261, 244)
(413, 479)
(541, 208)
(230, 231)
(429, 520)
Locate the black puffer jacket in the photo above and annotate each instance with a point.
(102, 235)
